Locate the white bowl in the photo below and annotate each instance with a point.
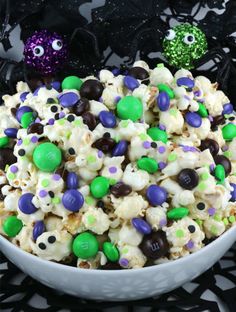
(122, 284)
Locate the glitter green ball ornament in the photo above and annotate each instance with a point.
(184, 44)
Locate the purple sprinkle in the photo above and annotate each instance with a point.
(162, 165)
(100, 154)
(61, 115)
(14, 169)
(56, 177)
(117, 98)
(212, 167)
(161, 149)
(37, 120)
(187, 97)
(186, 148)
(124, 262)
(43, 193)
(162, 127)
(210, 118)
(197, 93)
(100, 100)
(190, 244)
(51, 121)
(19, 142)
(146, 144)
(112, 169)
(211, 211)
(192, 149)
(201, 100)
(34, 139)
(224, 148)
(162, 222)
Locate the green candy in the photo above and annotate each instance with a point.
(164, 88)
(229, 132)
(4, 141)
(99, 187)
(47, 157)
(12, 226)
(219, 173)
(148, 164)
(27, 119)
(111, 251)
(202, 111)
(157, 134)
(183, 45)
(178, 213)
(72, 82)
(130, 107)
(85, 246)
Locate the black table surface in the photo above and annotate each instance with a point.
(214, 290)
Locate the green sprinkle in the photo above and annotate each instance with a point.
(199, 222)
(11, 176)
(4, 141)
(77, 122)
(202, 186)
(179, 233)
(124, 123)
(6, 168)
(89, 200)
(117, 139)
(228, 154)
(160, 65)
(125, 250)
(45, 182)
(226, 222)
(204, 176)
(26, 141)
(56, 200)
(61, 122)
(217, 217)
(213, 230)
(232, 219)
(172, 157)
(91, 219)
(143, 136)
(112, 181)
(173, 111)
(68, 134)
(91, 159)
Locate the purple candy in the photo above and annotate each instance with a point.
(227, 108)
(120, 148)
(21, 110)
(68, 99)
(233, 193)
(115, 71)
(156, 195)
(108, 119)
(163, 101)
(11, 132)
(36, 91)
(39, 228)
(72, 181)
(72, 200)
(185, 82)
(131, 83)
(141, 226)
(23, 96)
(193, 119)
(56, 85)
(25, 203)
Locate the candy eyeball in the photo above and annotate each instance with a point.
(38, 51)
(46, 52)
(189, 39)
(170, 34)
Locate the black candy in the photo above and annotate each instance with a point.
(211, 144)
(90, 120)
(225, 162)
(188, 178)
(121, 189)
(138, 73)
(81, 107)
(104, 144)
(35, 128)
(91, 89)
(6, 157)
(155, 245)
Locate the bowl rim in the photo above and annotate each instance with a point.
(164, 265)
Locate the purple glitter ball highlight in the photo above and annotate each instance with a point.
(46, 52)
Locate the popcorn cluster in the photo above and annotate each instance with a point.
(120, 171)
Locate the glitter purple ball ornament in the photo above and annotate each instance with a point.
(46, 52)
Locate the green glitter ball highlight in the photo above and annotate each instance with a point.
(184, 44)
